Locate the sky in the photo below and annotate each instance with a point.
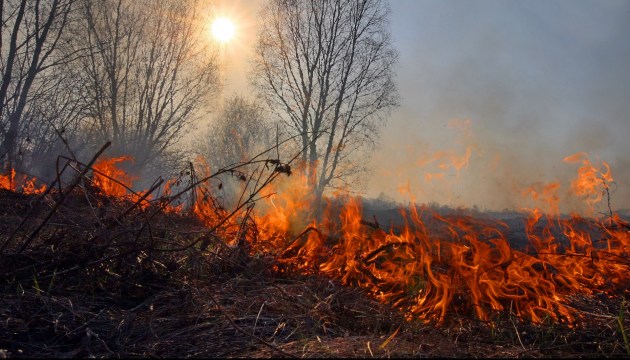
(513, 87)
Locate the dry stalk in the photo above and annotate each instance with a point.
(57, 203)
(241, 330)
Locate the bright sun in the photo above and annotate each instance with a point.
(223, 29)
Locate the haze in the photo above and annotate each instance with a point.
(519, 84)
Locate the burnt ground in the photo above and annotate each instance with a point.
(84, 275)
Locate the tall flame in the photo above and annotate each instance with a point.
(437, 265)
(112, 180)
(433, 265)
(7, 182)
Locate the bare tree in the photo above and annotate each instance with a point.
(239, 132)
(51, 123)
(147, 74)
(327, 67)
(29, 40)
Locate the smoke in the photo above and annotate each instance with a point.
(534, 81)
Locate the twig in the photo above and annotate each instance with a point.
(230, 169)
(139, 201)
(258, 316)
(299, 236)
(372, 256)
(373, 224)
(61, 199)
(63, 139)
(610, 212)
(241, 330)
(518, 336)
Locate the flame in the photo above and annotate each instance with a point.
(436, 265)
(111, 180)
(546, 198)
(286, 210)
(445, 160)
(429, 177)
(589, 182)
(27, 183)
(470, 264)
(167, 192)
(7, 181)
(433, 265)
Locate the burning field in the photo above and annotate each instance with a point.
(92, 268)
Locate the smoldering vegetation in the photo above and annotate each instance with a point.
(85, 273)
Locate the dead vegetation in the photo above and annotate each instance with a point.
(84, 274)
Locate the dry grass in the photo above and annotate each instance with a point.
(93, 282)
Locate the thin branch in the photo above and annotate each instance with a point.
(241, 330)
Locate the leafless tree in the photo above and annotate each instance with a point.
(51, 123)
(29, 48)
(327, 68)
(239, 132)
(148, 72)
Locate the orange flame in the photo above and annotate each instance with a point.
(9, 182)
(590, 181)
(110, 179)
(439, 265)
(433, 265)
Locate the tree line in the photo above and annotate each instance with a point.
(142, 73)
(77, 73)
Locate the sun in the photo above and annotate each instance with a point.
(223, 29)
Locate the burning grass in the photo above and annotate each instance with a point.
(88, 272)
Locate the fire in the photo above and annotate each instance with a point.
(286, 211)
(469, 264)
(110, 179)
(590, 182)
(439, 265)
(114, 182)
(546, 198)
(27, 183)
(432, 265)
(7, 182)
(167, 192)
(30, 188)
(202, 206)
(444, 161)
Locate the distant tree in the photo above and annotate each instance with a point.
(239, 132)
(326, 68)
(147, 74)
(51, 124)
(30, 39)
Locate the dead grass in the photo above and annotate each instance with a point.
(94, 283)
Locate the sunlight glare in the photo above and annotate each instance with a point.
(223, 29)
